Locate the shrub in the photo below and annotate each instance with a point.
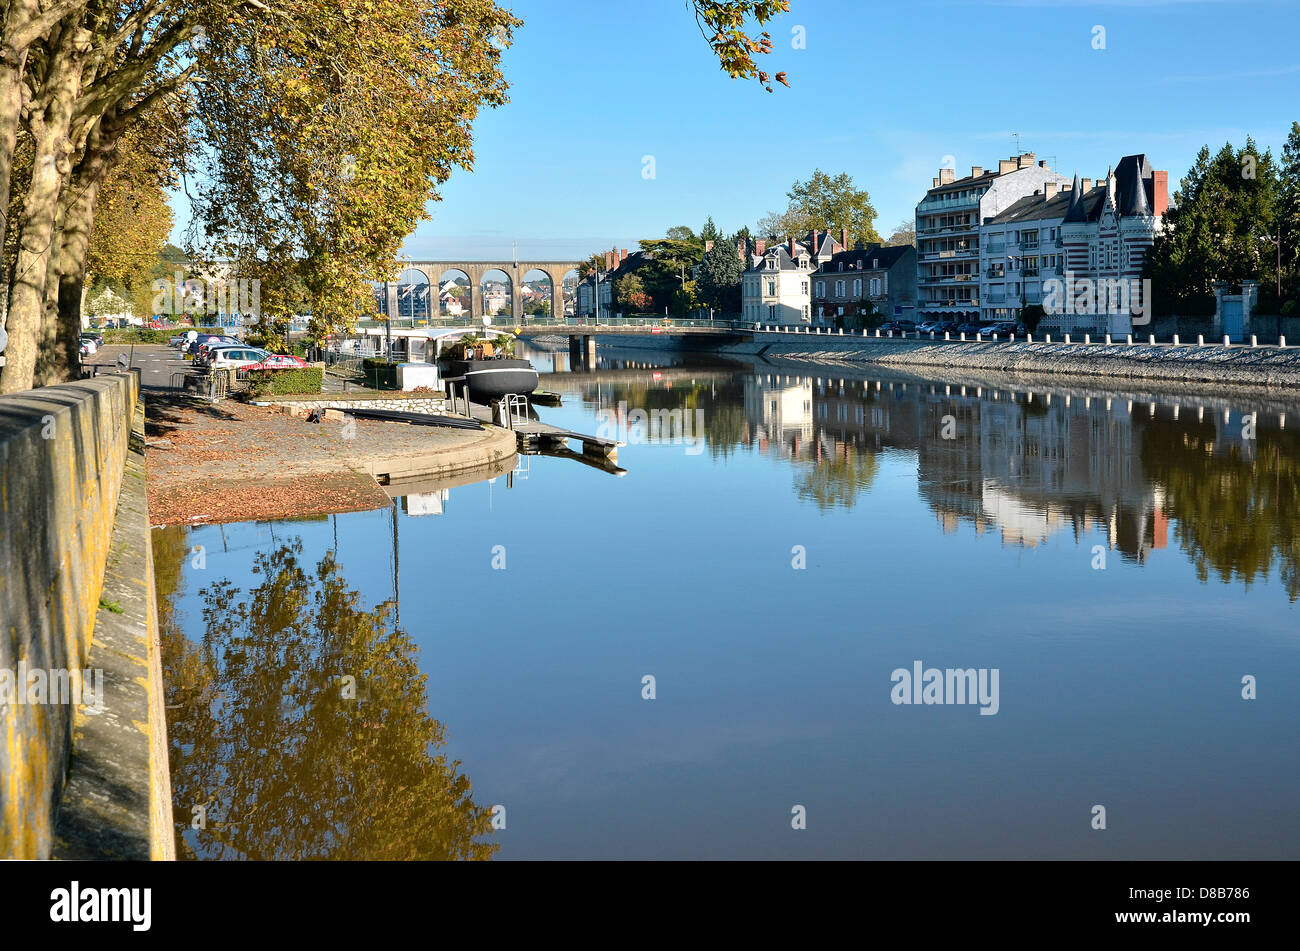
(286, 382)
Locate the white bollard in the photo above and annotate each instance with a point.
(1047, 338)
(1151, 340)
(1254, 341)
(995, 338)
(1175, 340)
(946, 335)
(1108, 340)
(1029, 337)
(1067, 338)
(963, 336)
(1200, 340)
(1226, 341)
(1281, 342)
(1087, 338)
(877, 333)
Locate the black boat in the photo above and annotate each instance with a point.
(491, 379)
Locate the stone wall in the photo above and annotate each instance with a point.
(62, 454)
(413, 404)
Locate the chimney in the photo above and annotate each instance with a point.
(947, 176)
(1049, 189)
(1042, 163)
(793, 253)
(844, 238)
(608, 261)
(1026, 160)
(934, 183)
(1160, 183)
(623, 256)
(760, 246)
(1084, 185)
(1006, 165)
(976, 171)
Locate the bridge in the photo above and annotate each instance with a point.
(474, 272)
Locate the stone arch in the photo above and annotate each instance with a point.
(450, 303)
(537, 291)
(415, 296)
(568, 302)
(498, 293)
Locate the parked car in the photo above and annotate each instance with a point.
(899, 326)
(176, 341)
(88, 346)
(98, 338)
(280, 361)
(972, 327)
(930, 326)
(237, 357)
(1003, 328)
(212, 340)
(945, 326)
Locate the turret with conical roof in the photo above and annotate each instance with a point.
(1076, 211)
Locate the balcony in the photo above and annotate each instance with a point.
(996, 272)
(1028, 245)
(996, 248)
(1029, 272)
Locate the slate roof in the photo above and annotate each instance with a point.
(860, 259)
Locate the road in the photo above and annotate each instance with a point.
(157, 362)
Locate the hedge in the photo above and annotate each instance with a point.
(150, 335)
(286, 382)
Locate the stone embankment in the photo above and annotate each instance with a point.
(1236, 365)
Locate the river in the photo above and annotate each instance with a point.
(713, 655)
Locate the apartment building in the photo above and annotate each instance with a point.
(948, 221)
(1078, 238)
(880, 280)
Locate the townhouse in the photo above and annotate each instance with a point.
(776, 286)
(874, 280)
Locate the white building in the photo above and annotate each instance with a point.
(776, 286)
(948, 224)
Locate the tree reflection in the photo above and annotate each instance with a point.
(838, 479)
(1237, 511)
(285, 758)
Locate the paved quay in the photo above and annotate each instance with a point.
(233, 461)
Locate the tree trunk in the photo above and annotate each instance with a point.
(58, 360)
(50, 123)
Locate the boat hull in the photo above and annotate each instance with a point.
(492, 379)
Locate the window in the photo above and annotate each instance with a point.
(839, 288)
(771, 289)
(821, 288)
(857, 288)
(804, 288)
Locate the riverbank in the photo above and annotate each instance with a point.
(1259, 367)
(234, 461)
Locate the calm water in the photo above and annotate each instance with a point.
(1120, 560)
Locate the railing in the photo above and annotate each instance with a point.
(1029, 272)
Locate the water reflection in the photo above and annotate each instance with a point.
(1027, 464)
(298, 724)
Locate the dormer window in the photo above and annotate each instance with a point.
(875, 263)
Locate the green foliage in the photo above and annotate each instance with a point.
(719, 278)
(1031, 315)
(825, 201)
(1214, 231)
(286, 382)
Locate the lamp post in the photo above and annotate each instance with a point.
(1277, 242)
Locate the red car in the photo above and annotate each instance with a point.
(279, 361)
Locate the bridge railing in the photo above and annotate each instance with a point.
(532, 320)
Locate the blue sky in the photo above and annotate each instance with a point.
(883, 91)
